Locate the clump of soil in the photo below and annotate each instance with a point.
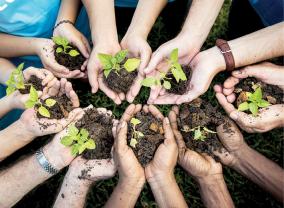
(121, 81)
(181, 87)
(272, 93)
(61, 108)
(152, 128)
(199, 113)
(99, 127)
(64, 59)
(35, 82)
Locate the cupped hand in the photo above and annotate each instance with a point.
(137, 47)
(45, 51)
(267, 119)
(95, 71)
(200, 166)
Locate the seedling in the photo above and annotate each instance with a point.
(34, 100)
(16, 80)
(254, 102)
(200, 133)
(135, 134)
(63, 46)
(110, 62)
(174, 68)
(79, 141)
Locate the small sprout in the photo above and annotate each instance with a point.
(254, 102)
(200, 133)
(63, 44)
(16, 80)
(175, 69)
(110, 62)
(135, 134)
(79, 141)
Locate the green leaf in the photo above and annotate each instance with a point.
(50, 102)
(135, 121)
(60, 41)
(174, 55)
(90, 144)
(75, 149)
(10, 90)
(167, 85)
(105, 60)
(82, 148)
(84, 134)
(132, 64)
(20, 84)
(107, 72)
(20, 68)
(33, 94)
(209, 131)
(253, 108)
(120, 56)
(148, 82)
(257, 95)
(243, 106)
(72, 130)
(44, 112)
(73, 53)
(133, 143)
(66, 141)
(59, 50)
(197, 134)
(177, 72)
(30, 103)
(113, 61)
(263, 103)
(140, 134)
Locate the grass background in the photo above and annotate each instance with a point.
(243, 192)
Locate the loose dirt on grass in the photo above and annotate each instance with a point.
(35, 82)
(152, 128)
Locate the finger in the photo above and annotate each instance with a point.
(155, 112)
(231, 82)
(175, 109)
(179, 140)
(188, 97)
(87, 44)
(173, 120)
(228, 91)
(63, 83)
(145, 56)
(54, 89)
(146, 108)
(57, 67)
(48, 77)
(128, 113)
(74, 99)
(122, 135)
(169, 135)
(114, 127)
(156, 58)
(84, 66)
(154, 93)
(121, 96)
(93, 71)
(228, 107)
(135, 88)
(231, 98)
(218, 88)
(81, 46)
(225, 157)
(110, 93)
(166, 99)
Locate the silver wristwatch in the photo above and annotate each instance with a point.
(44, 162)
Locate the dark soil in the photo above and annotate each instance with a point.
(72, 63)
(61, 108)
(181, 87)
(202, 114)
(152, 128)
(122, 81)
(99, 127)
(272, 93)
(35, 82)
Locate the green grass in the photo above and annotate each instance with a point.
(243, 192)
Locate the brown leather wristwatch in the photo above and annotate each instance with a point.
(227, 53)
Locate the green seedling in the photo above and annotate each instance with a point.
(63, 46)
(34, 100)
(254, 102)
(200, 133)
(79, 141)
(135, 134)
(110, 62)
(16, 80)
(174, 68)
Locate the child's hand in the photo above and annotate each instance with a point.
(45, 50)
(137, 47)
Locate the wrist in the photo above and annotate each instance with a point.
(210, 179)
(26, 134)
(240, 156)
(37, 45)
(158, 181)
(130, 184)
(73, 178)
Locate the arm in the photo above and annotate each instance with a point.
(68, 10)
(6, 68)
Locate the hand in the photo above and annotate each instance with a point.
(127, 164)
(95, 72)
(200, 166)
(204, 66)
(137, 47)
(76, 38)
(45, 51)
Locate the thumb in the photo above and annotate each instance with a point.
(156, 58)
(78, 42)
(145, 58)
(121, 135)
(188, 97)
(93, 72)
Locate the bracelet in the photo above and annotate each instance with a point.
(227, 53)
(44, 163)
(61, 22)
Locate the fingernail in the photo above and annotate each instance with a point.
(167, 120)
(234, 115)
(237, 72)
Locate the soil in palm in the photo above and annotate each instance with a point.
(35, 82)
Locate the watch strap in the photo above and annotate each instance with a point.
(227, 53)
(44, 163)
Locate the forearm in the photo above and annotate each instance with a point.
(142, 21)
(101, 15)
(167, 192)
(5, 106)
(200, 19)
(73, 192)
(125, 193)
(214, 192)
(68, 10)
(261, 171)
(6, 68)
(13, 138)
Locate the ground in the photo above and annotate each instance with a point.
(243, 192)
